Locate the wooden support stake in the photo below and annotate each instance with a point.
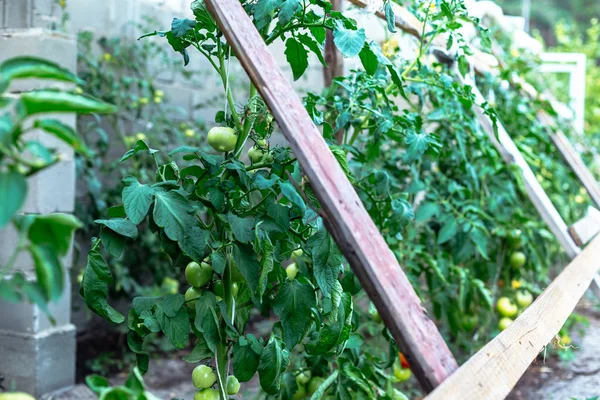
(346, 218)
(333, 57)
(586, 228)
(497, 367)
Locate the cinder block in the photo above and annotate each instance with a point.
(52, 190)
(16, 14)
(27, 318)
(50, 45)
(38, 363)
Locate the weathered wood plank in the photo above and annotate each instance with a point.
(496, 368)
(346, 218)
(586, 228)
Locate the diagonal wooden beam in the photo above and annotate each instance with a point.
(346, 218)
(586, 228)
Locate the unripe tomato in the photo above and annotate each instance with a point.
(236, 275)
(504, 323)
(524, 298)
(300, 393)
(514, 238)
(269, 158)
(203, 377)
(207, 394)
(233, 385)
(16, 396)
(222, 138)
(261, 143)
(402, 374)
(517, 259)
(314, 384)
(291, 271)
(506, 307)
(190, 295)
(234, 289)
(297, 253)
(255, 154)
(218, 288)
(198, 275)
(303, 377)
(469, 322)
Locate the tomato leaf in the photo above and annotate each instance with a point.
(137, 199)
(13, 190)
(293, 304)
(297, 57)
(273, 362)
(246, 357)
(349, 41)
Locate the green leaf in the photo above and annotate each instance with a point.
(137, 199)
(327, 261)
(297, 56)
(293, 304)
(195, 243)
(288, 9)
(176, 328)
(389, 16)
(202, 15)
(48, 100)
(140, 145)
(171, 304)
(242, 228)
(313, 46)
(33, 67)
(48, 270)
(207, 321)
(94, 287)
(273, 361)
(349, 41)
(96, 383)
(463, 65)
(13, 191)
(199, 353)
(65, 133)
(369, 59)
(246, 357)
(141, 304)
(290, 193)
(122, 226)
(417, 144)
(180, 27)
(172, 212)
(54, 230)
(448, 231)
(264, 8)
(318, 394)
(267, 264)
(426, 211)
(357, 377)
(246, 261)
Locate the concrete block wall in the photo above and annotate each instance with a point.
(37, 356)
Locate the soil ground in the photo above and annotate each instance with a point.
(550, 379)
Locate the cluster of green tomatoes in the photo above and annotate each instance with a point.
(511, 306)
(224, 139)
(204, 378)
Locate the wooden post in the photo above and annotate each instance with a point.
(333, 58)
(345, 217)
(495, 369)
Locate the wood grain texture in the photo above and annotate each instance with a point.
(496, 368)
(346, 218)
(333, 58)
(586, 228)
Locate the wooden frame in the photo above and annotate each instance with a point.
(345, 217)
(494, 370)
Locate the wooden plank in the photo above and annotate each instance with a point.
(586, 228)
(497, 367)
(345, 217)
(333, 59)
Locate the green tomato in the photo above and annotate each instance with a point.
(314, 384)
(524, 298)
(291, 271)
(235, 288)
(269, 158)
(402, 374)
(190, 295)
(218, 289)
(297, 253)
(517, 259)
(469, 322)
(236, 275)
(207, 394)
(303, 377)
(255, 154)
(514, 238)
(222, 138)
(506, 307)
(198, 275)
(16, 396)
(233, 385)
(203, 377)
(261, 143)
(300, 393)
(504, 323)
